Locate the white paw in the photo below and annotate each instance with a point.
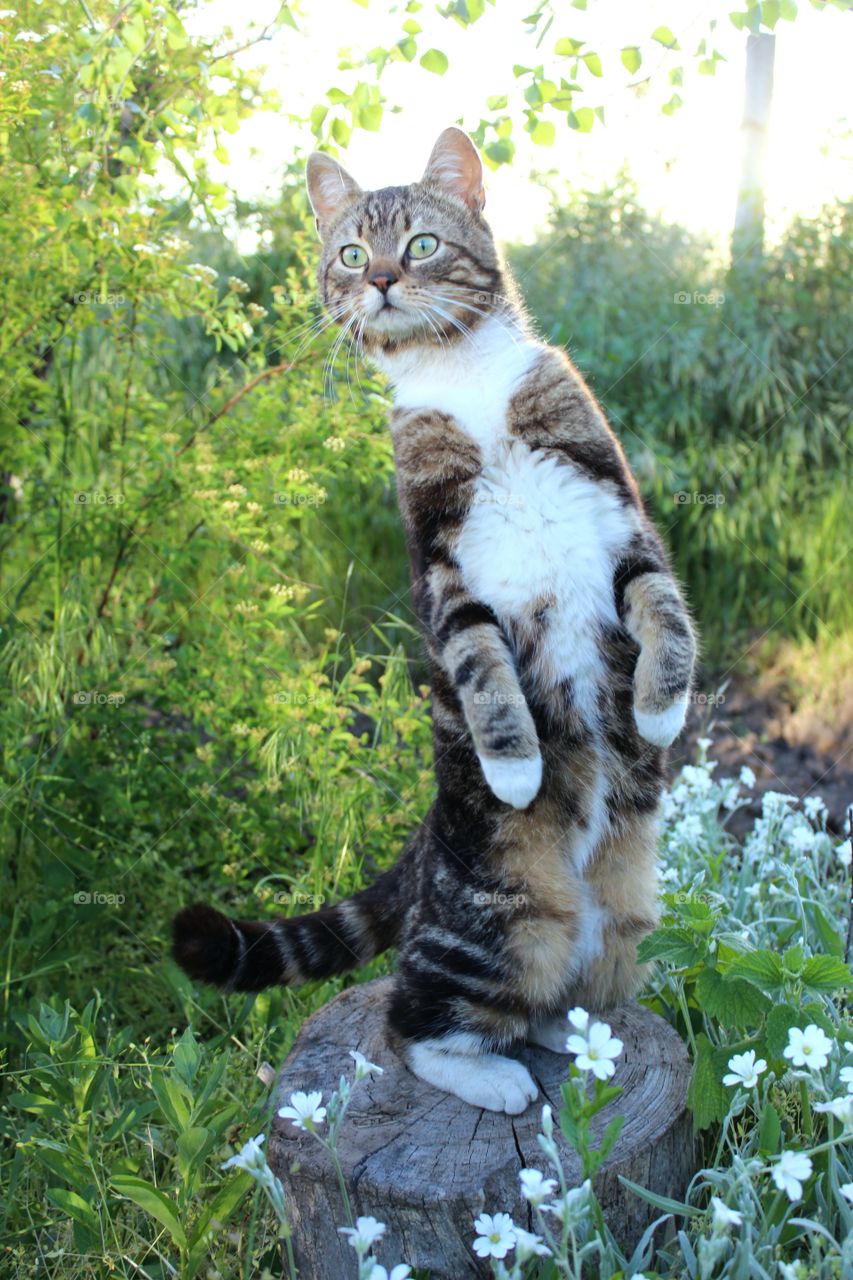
(662, 727)
(551, 1034)
(486, 1080)
(516, 782)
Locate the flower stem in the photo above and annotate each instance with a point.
(808, 1128)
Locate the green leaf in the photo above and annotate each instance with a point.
(732, 1001)
(660, 1202)
(664, 36)
(341, 132)
(631, 58)
(153, 1202)
(670, 108)
(763, 968)
(499, 152)
(566, 47)
(497, 102)
(825, 974)
(593, 62)
(75, 1207)
(434, 60)
(830, 940)
(543, 133)
(779, 1022)
(707, 1097)
(583, 119)
(675, 947)
(370, 117)
(769, 1131)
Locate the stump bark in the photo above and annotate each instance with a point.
(427, 1164)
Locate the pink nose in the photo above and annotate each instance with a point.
(383, 281)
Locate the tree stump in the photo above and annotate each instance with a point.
(427, 1164)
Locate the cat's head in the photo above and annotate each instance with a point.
(412, 264)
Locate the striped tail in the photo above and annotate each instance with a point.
(249, 955)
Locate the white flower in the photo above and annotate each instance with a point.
(250, 1157)
(528, 1245)
(579, 1018)
(362, 1066)
(791, 1172)
(534, 1187)
(547, 1121)
(747, 777)
(847, 1191)
(744, 1070)
(400, 1272)
(844, 853)
(572, 1207)
(723, 1216)
(304, 1111)
(364, 1234)
(596, 1050)
(846, 1074)
(841, 1108)
(496, 1235)
(814, 807)
(810, 1048)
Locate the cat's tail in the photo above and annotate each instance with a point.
(249, 955)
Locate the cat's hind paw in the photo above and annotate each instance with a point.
(661, 728)
(516, 782)
(486, 1080)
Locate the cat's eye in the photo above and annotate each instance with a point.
(352, 255)
(422, 246)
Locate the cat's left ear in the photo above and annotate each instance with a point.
(330, 187)
(455, 166)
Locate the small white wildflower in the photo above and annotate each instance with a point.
(535, 1187)
(304, 1110)
(846, 1074)
(723, 1216)
(496, 1235)
(841, 1108)
(579, 1018)
(547, 1121)
(791, 1172)
(596, 1050)
(744, 1070)
(844, 853)
(747, 777)
(363, 1067)
(814, 808)
(364, 1234)
(810, 1048)
(250, 1156)
(528, 1245)
(400, 1272)
(847, 1191)
(29, 37)
(571, 1208)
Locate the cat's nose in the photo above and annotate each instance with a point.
(383, 280)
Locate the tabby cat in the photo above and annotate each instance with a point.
(560, 648)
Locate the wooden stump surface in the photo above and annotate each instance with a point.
(427, 1164)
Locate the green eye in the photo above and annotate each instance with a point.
(352, 255)
(422, 246)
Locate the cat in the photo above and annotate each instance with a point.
(561, 655)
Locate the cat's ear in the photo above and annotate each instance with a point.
(330, 187)
(455, 166)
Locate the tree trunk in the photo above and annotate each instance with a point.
(427, 1164)
(747, 240)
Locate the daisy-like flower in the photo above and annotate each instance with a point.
(364, 1234)
(496, 1235)
(534, 1187)
(841, 1108)
(304, 1111)
(790, 1173)
(847, 1191)
(250, 1157)
(579, 1018)
(844, 853)
(846, 1074)
(723, 1216)
(362, 1066)
(595, 1050)
(528, 1245)
(572, 1207)
(810, 1048)
(744, 1070)
(400, 1272)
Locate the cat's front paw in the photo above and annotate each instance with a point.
(516, 782)
(661, 728)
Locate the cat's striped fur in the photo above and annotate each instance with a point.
(561, 656)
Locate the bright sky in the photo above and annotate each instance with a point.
(686, 165)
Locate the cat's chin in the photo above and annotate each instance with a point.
(391, 321)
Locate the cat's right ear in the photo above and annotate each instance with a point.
(330, 187)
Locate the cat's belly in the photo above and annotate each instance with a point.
(538, 546)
